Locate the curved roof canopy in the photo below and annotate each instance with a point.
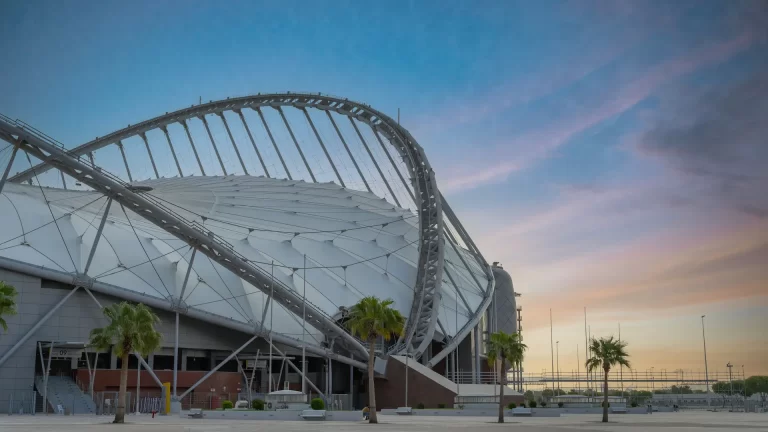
(355, 243)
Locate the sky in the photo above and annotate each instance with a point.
(612, 155)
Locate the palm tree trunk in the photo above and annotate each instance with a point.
(371, 391)
(502, 379)
(605, 397)
(121, 402)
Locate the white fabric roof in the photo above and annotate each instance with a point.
(356, 244)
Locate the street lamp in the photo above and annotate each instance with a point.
(706, 367)
(730, 377)
(558, 365)
(744, 387)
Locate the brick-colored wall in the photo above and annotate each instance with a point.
(390, 391)
(109, 380)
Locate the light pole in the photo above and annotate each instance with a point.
(706, 367)
(551, 347)
(578, 369)
(744, 387)
(407, 353)
(730, 377)
(558, 365)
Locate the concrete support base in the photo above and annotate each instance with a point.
(175, 406)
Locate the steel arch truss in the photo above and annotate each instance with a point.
(430, 207)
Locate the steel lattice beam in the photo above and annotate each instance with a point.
(422, 318)
(194, 234)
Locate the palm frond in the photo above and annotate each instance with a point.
(7, 303)
(131, 328)
(506, 347)
(371, 318)
(607, 353)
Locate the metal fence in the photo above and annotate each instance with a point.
(32, 402)
(25, 402)
(106, 402)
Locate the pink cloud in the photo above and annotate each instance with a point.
(492, 174)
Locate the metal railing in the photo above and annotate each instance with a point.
(463, 377)
(24, 402)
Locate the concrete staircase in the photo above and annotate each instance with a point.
(65, 392)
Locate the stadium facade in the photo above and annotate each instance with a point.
(250, 225)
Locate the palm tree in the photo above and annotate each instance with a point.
(506, 347)
(131, 329)
(606, 353)
(7, 303)
(370, 319)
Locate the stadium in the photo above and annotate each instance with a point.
(249, 225)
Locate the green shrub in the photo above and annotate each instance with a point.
(257, 404)
(532, 404)
(227, 404)
(633, 404)
(560, 404)
(511, 405)
(441, 406)
(603, 404)
(420, 405)
(317, 404)
(543, 404)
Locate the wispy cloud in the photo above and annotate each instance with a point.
(467, 180)
(717, 140)
(518, 152)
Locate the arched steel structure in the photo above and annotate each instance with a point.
(440, 232)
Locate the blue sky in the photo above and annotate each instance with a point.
(608, 153)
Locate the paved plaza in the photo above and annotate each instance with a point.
(668, 422)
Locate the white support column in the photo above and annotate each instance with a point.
(205, 377)
(194, 148)
(213, 143)
(173, 151)
(322, 145)
(93, 374)
(90, 379)
(186, 278)
(125, 161)
(149, 151)
(149, 369)
(476, 337)
(42, 365)
(48, 371)
(96, 240)
(293, 137)
(175, 354)
(274, 144)
(349, 152)
(8, 168)
(392, 161)
(138, 387)
(299, 371)
(373, 159)
(232, 140)
(253, 142)
(271, 317)
(35, 327)
(304, 331)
